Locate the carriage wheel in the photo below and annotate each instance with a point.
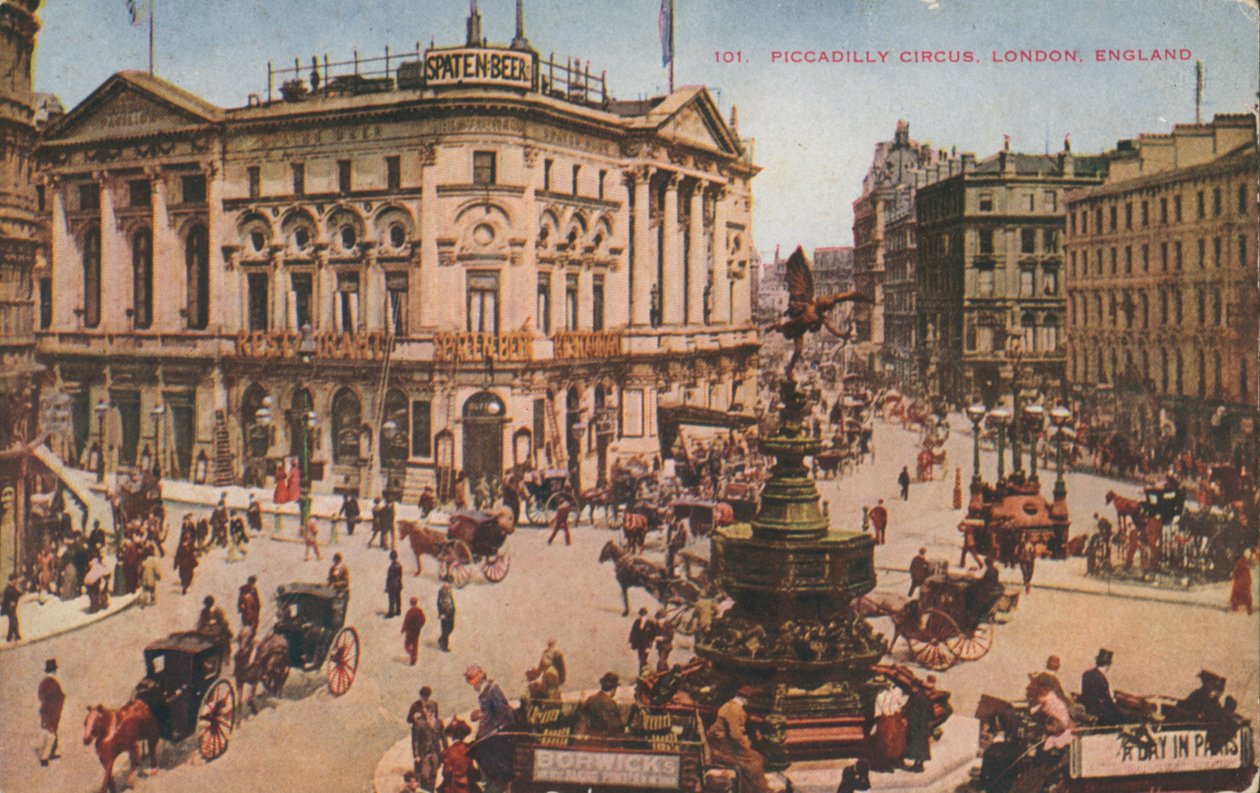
(973, 646)
(455, 563)
(343, 661)
(683, 617)
(217, 717)
(549, 510)
(929, 640)
(534, 512)
(495, 568)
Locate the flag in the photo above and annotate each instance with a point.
(132, 12)
(665, 24)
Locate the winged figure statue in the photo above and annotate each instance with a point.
(807, 313)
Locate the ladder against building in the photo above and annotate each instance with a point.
(223, 473)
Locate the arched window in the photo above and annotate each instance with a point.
(142, 279)
(197, 264)
(257, 435)
(92, 278)
(395, 432)
(346, 417)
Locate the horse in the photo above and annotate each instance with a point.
(423, 540)
(635, 528)
(266, 663)
(633, 571)
(1126, 509)
(597, 497)
(119, 731)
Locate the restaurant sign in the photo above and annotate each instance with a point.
(637, 770)
(478, 66)
(286, 344)
(1115, 754)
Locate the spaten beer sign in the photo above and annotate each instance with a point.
(469, 66)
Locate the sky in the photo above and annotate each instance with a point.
(814, 125)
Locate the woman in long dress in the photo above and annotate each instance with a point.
(1240, 594)
(186, 563)
(888, 736)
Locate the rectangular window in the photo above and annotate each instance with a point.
(1200, 204)
(1031, 203)
(1146, 258)
(547, 173)
(986, 202)
(1216, 202)
(603, 177)
(1163, 257)
(1202, 253)
(597, 302)
(1201, 305)
(1098, 263)
(484, 167)
(1072, 265)
(139, 192)
(1051, 201)
(258, 298)
(1242, 250)
(986, 241)
(41, 197)
(1176, 209)
(1128, 216)
(1216, 252)
(1177, 306)
(45, 303)
(1242, 199)
(543, 304)
(193, 189)
(301, 299)
(1112, 215)
(1128, 259)
(1050, 240)
(1027, 240)
(396, 301)
(393, 173)
(1113, 261)
(1098, 225)
(1026, 281)
(255, 181)
(299, 177)
(577, 172)
(421, 428)
(343, 176)
(1163, 211)
(89, 197)
(571, 302)
(1084, 222)
(346, 302)
(1072, 223)
(1050, 280)
(483, 302)
(1146, 214)
(984, 282)
(1177, 256)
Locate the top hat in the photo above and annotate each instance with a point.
(1104, 657)
(1211, 679)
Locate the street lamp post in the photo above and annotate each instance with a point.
(158, 411)
(1036, 420)
(999, 419)
(1059, 417)
(976, 414)
(102, 408)
(263, 418)
(309, 422)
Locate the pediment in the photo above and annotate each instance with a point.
(698, 124)
(122, 108)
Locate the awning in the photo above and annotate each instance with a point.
(670, 417)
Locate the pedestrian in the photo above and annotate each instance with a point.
(411, 784)
(664, 640)
(310, 537)
(219, 522)
(253, 514)
(599, 711)
(213, 624)
(481, 494)
(237, 538)
(461, 490)
(729, 742)
(150, 575)
(413, 622)
(97, 582)
(388, 512)
(9, 607)
(1049, 678)
(186, 561)
(339, 578)
(492, 748)
(428, 502)
(377, 523)
(888, 735)
(1027, 556)
(918, 712)
(855, 778)
(350, 511)
(428, 740)
(553, 657)
(879, 521)
(51, 700)
(1096, 696)
(446, 615)
(393, 586)
(920, 569)
(561, 522)
(903, 479)
(642, 635)
(1240, 591)
(249, 604)
(458, 774)
(46, 563)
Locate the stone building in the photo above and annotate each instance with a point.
(990, 258)
(1161, 280)
(833, 269)
(464, 258)
(901, 318)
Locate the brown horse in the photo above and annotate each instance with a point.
(1127, 510)
(633, 571)
(119, 731)
(265, 662)
(634, 528)
(424, 541)
(598, 497)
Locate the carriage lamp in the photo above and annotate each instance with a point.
(998, 420)
(102, 408)
(975, 413)
(158, 411)
(1035, 414)
(1059, 417)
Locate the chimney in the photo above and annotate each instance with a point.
(735, 120)
(519, 42)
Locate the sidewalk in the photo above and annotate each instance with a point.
(54, 617)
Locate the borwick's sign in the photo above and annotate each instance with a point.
(1171, 751)
(639, 771)
(505, 68)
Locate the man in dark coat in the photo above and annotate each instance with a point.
(903, 479)
(879, 520)
(1096, 696)
(920, 568)
(428, 740)
(413, 622)
(446, 615)
(212, 623)
(9, 607)
(642, 635)
(378, 523)
(600, 712)
(219, 522)
(855, 777)
(387, 523)
(918, 712)
(350, 511)
(51, 700)
(393, 586)
(253, 514)
(492, 749)
(249, 604)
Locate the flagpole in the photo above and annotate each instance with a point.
(151, 4)
(672, 53)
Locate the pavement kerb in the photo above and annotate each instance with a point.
(91, 620)
(1097, 593)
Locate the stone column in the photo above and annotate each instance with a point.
(221, 284)
(697, 267)
(67, 263)
(427, 251)
(115, 264)
(721, 280)
(322, 290)
(641, 266)
(372, 292)
(672, 297)
(279, 290)
(169, 277)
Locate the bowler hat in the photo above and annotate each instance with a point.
(1053, 663)
(1104, 657)
(609, 681)
(50, 665)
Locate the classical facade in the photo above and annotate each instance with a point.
(1161, 281)
(990, 257)
(469, 259)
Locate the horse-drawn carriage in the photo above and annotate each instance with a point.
(472, 539)
(951, 620)
(139, 493)
(311, 618)
(545, 491)
(703, 515)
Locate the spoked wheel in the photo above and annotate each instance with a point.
(455, 563)
(973, 646)
(536, 511)
(216, 718)
(929, 640)
(343, 661)
(495, 568)
(552, 506)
